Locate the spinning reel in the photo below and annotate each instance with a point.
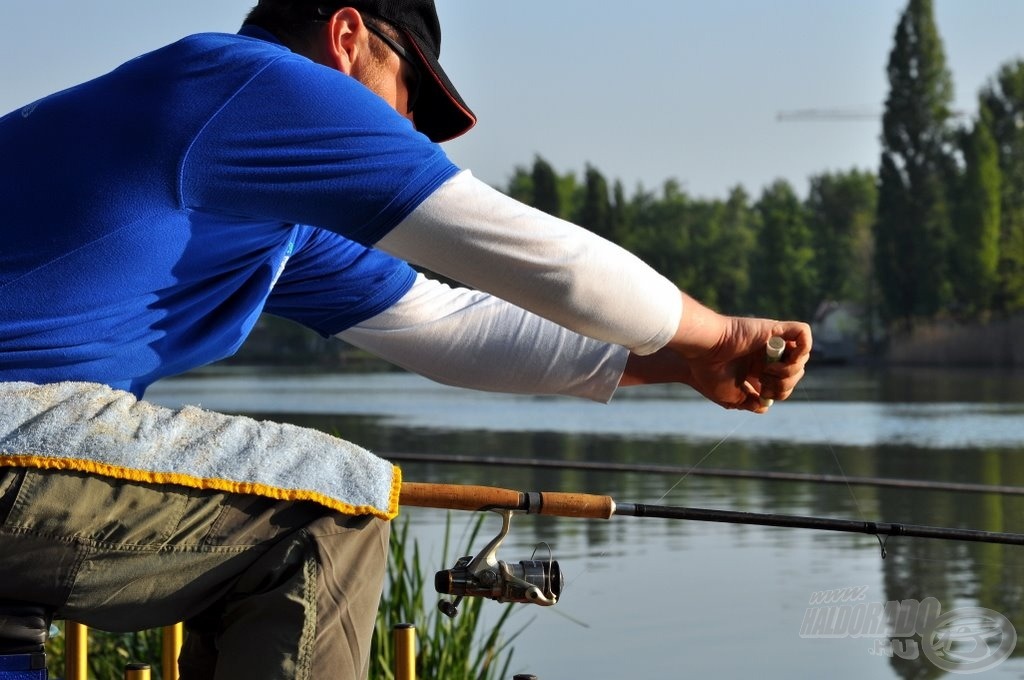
(536, 581)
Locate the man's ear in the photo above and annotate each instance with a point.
(343, 40)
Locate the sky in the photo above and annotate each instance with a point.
(689, 90)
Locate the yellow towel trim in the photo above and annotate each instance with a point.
(213, 484)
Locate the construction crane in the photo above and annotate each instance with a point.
(827, 114)
(800, 115)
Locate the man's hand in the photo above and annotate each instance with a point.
(724, 359)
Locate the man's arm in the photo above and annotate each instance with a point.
(474, 234)
(472, 339)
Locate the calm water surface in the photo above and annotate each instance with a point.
(651, 598)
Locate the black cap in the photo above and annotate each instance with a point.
(440, 113)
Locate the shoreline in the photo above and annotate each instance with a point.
(997, 344)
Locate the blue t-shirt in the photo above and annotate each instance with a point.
(150, 215)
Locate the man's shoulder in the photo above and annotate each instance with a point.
(212, 64)
(191, 78)
(204, 50)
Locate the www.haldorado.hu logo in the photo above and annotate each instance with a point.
(964, 640)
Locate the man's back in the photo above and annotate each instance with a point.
(150, 211)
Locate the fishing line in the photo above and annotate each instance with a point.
(846, 480)
(699, 462)
(883, 541)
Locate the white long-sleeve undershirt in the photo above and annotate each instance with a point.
(471, 339)
(474, 234)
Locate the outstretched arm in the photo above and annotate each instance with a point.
(472, 233)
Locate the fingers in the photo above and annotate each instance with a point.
(798, 340)
(780, 387)
(755, 400)
(760, 399)
(752, 401)
(779, 375)
(743, 376)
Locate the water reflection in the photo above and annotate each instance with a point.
(720, 600)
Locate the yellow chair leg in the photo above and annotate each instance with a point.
(137, 671)
(172, 639)
(405, 651)
(75, 650)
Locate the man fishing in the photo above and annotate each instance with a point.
(152, 214)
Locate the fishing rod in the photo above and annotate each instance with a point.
(540, 581)
(683, 471)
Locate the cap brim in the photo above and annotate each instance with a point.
(440, 113)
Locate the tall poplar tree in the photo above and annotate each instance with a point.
(913, 233)
(975, 255)
(1003, 102)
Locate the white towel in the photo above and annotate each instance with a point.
(92, 428)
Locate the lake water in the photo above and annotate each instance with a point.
(654, 598)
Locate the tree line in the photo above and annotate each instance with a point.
(936, 233)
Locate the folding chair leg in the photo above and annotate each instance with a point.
(404, 635)
(137, 671)
(76, 660)
(172, 640)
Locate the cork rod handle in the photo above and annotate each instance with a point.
(473, 498)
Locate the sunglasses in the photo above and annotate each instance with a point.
(413, 83)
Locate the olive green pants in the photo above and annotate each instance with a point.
(267, 589)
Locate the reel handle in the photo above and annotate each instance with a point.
(475, 498)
